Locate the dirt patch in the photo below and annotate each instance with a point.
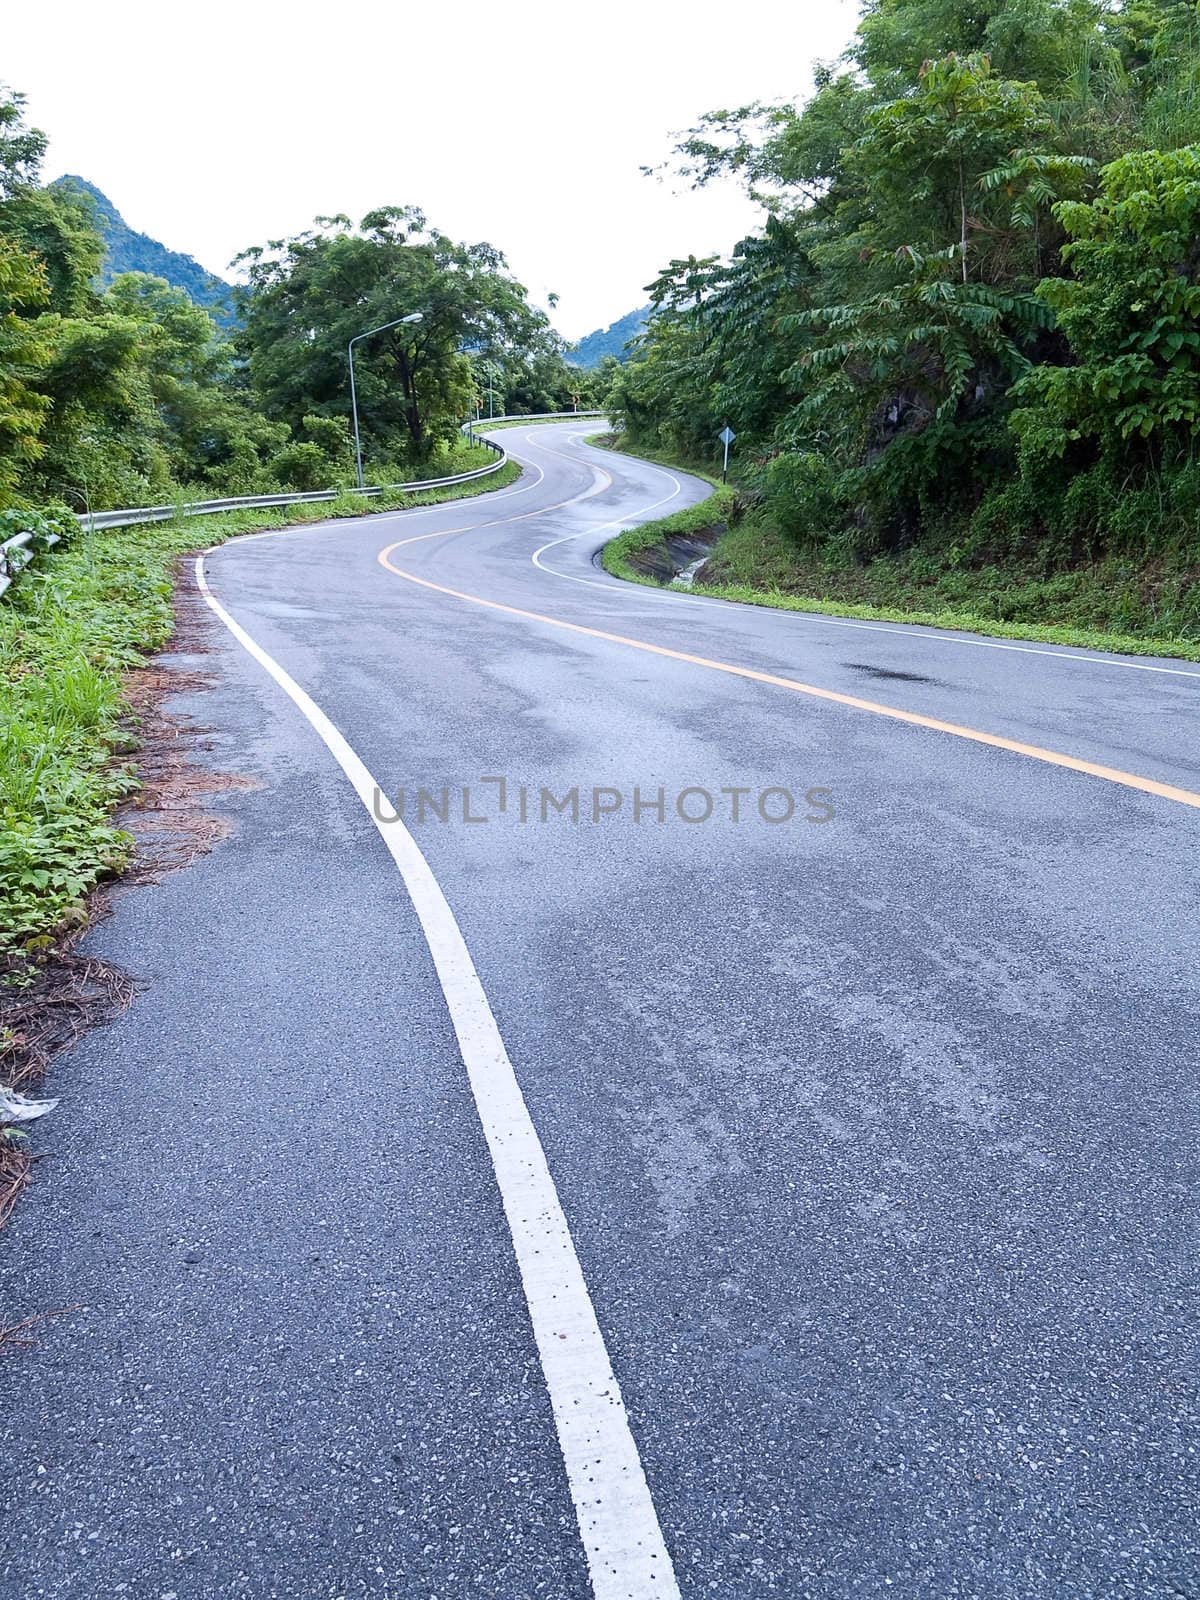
(172, 822)
(170, 816)
(70, 994)
(16, 1165)
(67, 995)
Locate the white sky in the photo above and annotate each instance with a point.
(217, 126)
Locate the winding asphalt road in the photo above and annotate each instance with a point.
(875, 1128)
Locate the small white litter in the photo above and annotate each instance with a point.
(20, 1108)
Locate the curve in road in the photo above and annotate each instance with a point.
(870, 1122)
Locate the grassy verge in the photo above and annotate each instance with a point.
(458, 456)
(1112, 606)
(708, 515)
(620, 446)
(73, 625)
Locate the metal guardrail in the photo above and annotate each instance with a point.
(250, 502)
(17, 553)
(474, 427)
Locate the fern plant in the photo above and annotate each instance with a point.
(930, 336)
(1131, 312)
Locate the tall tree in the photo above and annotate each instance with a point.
(310, 295)
(23, 351)
(870, 342)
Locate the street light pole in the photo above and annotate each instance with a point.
(491, 377)
(413, 316)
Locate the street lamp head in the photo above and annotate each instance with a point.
(415, 316)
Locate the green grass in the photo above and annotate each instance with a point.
(709, 514)
(76, 622)
(444, 463)
(1112, 606)
(962, 622)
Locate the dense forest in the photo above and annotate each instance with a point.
(962, 353)
(123, 391)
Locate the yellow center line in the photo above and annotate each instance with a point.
(1054, 758)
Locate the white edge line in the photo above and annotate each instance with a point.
(626, 1555)
(599, 527)
(323, 524)
(902, 630)
(914, 630)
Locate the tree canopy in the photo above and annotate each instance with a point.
(119, 389)
(977, 265)
(310, 295)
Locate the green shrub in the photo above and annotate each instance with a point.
(303, 467)
(803, 493)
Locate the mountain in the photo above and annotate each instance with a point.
(130, 251)
(610, 341)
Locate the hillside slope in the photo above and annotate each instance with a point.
(131, 251)
(610, 341)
